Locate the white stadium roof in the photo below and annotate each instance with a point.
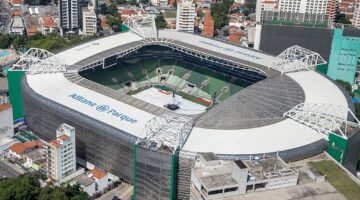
(283, 135)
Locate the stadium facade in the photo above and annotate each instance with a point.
(110, 125)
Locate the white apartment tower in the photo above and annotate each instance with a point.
(264, 5)
(61, 153)
(303, 6)
(89, 21)
(356, 16)
(185, 16)
(69, 15)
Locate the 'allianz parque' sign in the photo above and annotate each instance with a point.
(103, 108)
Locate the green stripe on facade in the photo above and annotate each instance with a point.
(173, 179)
(134, 174)
(16, 100)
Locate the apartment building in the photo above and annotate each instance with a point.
(185, 16)
(89, 21)
(61, 153)
(69, 15)
(264, 5)
(356, 16)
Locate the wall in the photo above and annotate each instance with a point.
(276, 38)
(337, 147)
(153, 174)
(14, 79)
(6, 123)
(343, 57)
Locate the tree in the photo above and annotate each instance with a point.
(346, 86)
(200, 13)
(220, 12)
(27, 187)
(19, 41)
(112, 9)
(160, 22)
(114, 21)
(134, 2)
(23, 187)
(121, 1)
(5, 41)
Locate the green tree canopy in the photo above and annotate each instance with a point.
(112, 9)
(27, 187)
(220, 12)
(160, 22)
(114, 20)
(121, 1)
(346, 86)
(5, 41)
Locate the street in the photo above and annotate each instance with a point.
(7, 171)
(5, 17)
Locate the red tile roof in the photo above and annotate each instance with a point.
(20, 148)
(97, 173)
(48, 21)
(64, 137)
(128, 12)
(4, 106)
(55, 143)
(16, 1)
(16, 13)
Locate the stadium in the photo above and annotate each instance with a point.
(143, 106)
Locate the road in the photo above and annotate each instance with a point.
(7, 171)
(5, 17)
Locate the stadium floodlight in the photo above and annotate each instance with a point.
(296, 58)
(324, 118)
(169, 129)
(37, 60)
(143, 26)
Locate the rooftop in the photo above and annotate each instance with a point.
(64, 137)
(218, 180)
(98, 173)
(17, 22)
(55, 144)
(48, 21)
(85, 180)
(4, 106)
(20, 148)
(268, 168)
(35, 154)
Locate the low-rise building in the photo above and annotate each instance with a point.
(32, 25)
(101, 179)
(19, 149)
(48, 25)
(6, 122)
(17, 26)
(35, 159)
(212, 178)
(87, 184)
(16, 2)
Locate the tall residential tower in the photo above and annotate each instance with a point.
(185, 16)
(69, 15)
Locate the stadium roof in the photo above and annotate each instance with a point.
(250, 121)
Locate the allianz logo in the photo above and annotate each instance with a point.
(103, 108)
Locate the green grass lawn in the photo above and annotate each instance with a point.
(338, 178)
(170, 14)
